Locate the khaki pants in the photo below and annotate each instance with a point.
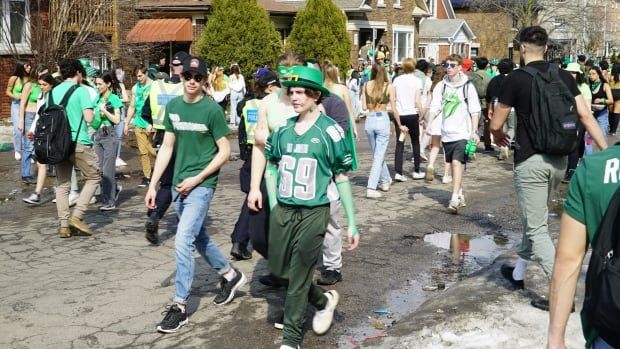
(86, 160)
(147, 153)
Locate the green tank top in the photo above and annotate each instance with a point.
(17, 87)
(35, 92)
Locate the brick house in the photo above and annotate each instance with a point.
(443, 33)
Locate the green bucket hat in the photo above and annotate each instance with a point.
(90, 71)
(302, 76)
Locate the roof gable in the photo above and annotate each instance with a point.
(448, 29)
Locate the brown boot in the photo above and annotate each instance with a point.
(79, 225)
(64, 232)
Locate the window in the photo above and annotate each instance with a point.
(15, 25)
(403, 45)
(431, 6)
(473, 52)
(380, 3)
(397, 3)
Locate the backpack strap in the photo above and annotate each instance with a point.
(606, 243)
(64, 102)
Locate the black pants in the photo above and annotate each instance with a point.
(251, 226)
(573, 158)
(411, 121)
(614, 119)
(163, 199)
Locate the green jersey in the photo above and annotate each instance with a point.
(78, 101)
(197, 127)
(112, 103)
(307, 162)
(591, 188)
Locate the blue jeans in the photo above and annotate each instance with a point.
(378, 132)
(235, 98)
(17, 136)
(602, 117)
(27, 146)
(105, 148)
(192, 235)
(599, 343)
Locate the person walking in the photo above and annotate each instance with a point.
(536, 174)
(505, 67)
(408, 89)
(455, 100)
(119, 129)
(196, 128)
(602, 98)
(434, 131)
(27, 110)
(142, 129)
(614, 83)
(578, 153)
(378, 92)
(236, 83)
(14, 89)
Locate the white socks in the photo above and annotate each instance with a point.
(519, 272)
(230, 274)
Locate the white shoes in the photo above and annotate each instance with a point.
(373, 194)
(400, 178)
(120, 162)
(418, 175)
(423, 157)
(384, 186)
(323, 318)
(284, 346)
(18, 156)
(430, 174)
(454, 205)
(446, 179)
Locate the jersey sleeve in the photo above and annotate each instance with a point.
(115, 102)
(575, 202)
(84, 98)
(340, 156)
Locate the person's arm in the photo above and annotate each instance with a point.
(500, 115)
(474, 111)
(363, 94)
(346, 199)
(610, 98)
(161, 162)
(222, 156)
(590, 123)
(261, 132)
(418, 104)
(392, 96)
(130, 111)
(571, 250)
(124, 96)
(22, 106)
(259, 162)
(9, 87)
(114, 117)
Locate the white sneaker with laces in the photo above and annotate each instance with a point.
(446, 179)
(284, 346)
(323, 318)
(373, 194)
(400, 178)
(418, 175)
(385, 186)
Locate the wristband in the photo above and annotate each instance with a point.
(271, 183)
(346, 198)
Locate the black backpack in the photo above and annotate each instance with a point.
(552, 126)
(52, 135)
(602, 298)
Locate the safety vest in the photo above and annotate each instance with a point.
(162, 93)
(250, 116)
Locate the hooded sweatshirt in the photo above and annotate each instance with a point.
(455, 110)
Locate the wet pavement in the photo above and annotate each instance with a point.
(108, 291)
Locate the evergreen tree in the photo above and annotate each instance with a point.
(320, 32)
(239, 31)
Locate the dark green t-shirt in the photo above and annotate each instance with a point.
(79, 100)
(112, 103)
(197, 127)
(307, 162)
(594, 183)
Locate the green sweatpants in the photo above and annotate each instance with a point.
(295, 239)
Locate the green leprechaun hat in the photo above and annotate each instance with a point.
(302, 76)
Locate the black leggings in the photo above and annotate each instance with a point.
(411, 121)
(573, 158)
(614, 118)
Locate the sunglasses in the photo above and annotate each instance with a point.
(188, 76)
(450, 65)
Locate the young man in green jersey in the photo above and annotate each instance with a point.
(196, 129)
(303, 155)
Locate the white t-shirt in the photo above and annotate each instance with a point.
(405, 87)
(454, 111)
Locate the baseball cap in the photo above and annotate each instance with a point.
(260, 72)
(195, 64)
(268, 78)
(179, 57)
(467, 64)
(161, 76)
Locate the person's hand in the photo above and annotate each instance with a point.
(149, 199)
(353, 237)
(188, 185)
(501, 139)
(255, 200)
(475, 137)
(102, 108)
(126, 129)
(355, 135)
(20, 127)
(149, 129)
(404, 128)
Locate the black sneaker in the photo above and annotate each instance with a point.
(144, 183)
(108, 207)
(329, 277)
(272, 281)
(543, 304)
(240, 252)
(506, 271)
(152, 227)
(175, 318)
(228, 288)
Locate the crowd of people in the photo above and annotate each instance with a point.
(297, 139)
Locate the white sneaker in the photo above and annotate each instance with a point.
(418, 175)
(462, 201)
(373, 194)
(323, 318)
(73, 197)
(384, 186)
(284, 346)
(430, 174)
(453, 205)
(423, 157)
(93, 200)
(446, 179)
(120, 162)
(400, 178)
(18, 156)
